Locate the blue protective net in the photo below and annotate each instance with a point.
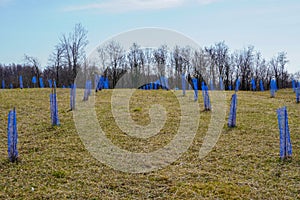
(273, 87)
(237, 85)
(50, 83)
(206, 99)
(195, 86)
(285, 140)
(21, 82)
(294, 85)
(261, 85)
(232, 113)
(54, 109)
(41, 83)
(183, 84)
(12, 136)
(11, 86)
(253, 84)
(87, 90)
(297, 94)
(3, 84)
(212, 85)
(221, 84)
(72, 96)
(33, 80)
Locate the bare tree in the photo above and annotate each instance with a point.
(35, 63)
(74, 48)
(56, 58)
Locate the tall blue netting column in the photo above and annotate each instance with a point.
(253, 84)
(50, 83)
(12, 136)
(72, 96)
(285, 140)
(273, 88)
(232, 113)
(3, 84)
(221, 84)
(54, 108)
(21, 82)
(297, 94)
(207, 106)
(87, 90)
(237, 85)
(261, 85)
(195, 86)
(294, 85)
(183, 84)
(211, 85)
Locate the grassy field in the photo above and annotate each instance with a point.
(54, 163)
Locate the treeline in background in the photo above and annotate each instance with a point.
(112, 61)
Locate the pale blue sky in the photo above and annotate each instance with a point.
(33, 26)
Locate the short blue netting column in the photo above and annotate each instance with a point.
(11, 86)
(261, 85)
(72, 96)
(21, 82)
(237, 85)
(207, 106)
(106, 83)
(3, 84)
(41, 83)
(253, 84)
(12, 136)
(54, 108)
(183, 84)
(297, 94)
(273, 88)
(195, 86)
(33, 80)
(232, 114)
(285, 140)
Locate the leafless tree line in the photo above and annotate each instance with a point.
(146, 64)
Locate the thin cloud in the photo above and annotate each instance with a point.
(131, 5)
(5, 2)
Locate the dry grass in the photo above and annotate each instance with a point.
(244, 164)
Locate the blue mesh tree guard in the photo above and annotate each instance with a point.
(11, 86)
(195, 85)
(294, 85)
(41, 83)
(54, 108)
(261, 85)
(273, 88)
(87, 90)
(106, 83)
(212, 85)
(50, 83)
(33, 80)
(221, 84)
(232, 114)
(183, 84)
(96, 80)
(297, 94)
(230, 87)
(207, 106)
(12, 136)
(21, 82)
(72, 96)
(285, 140)
(3, 84)
(237, 85)
(253, 84)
